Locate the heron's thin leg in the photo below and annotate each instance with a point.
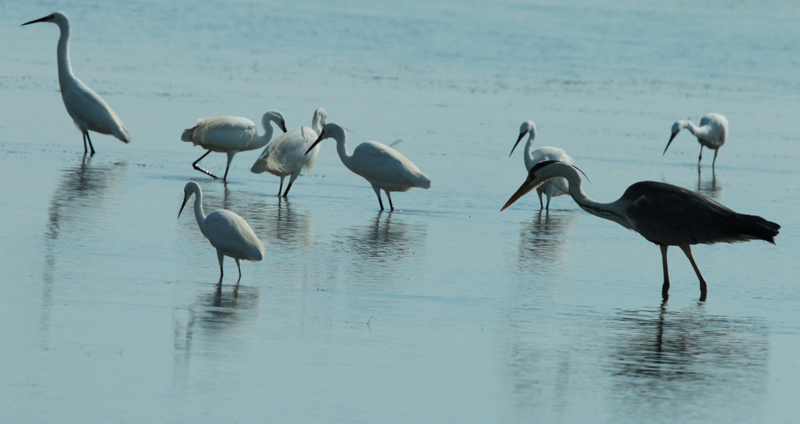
(665, 287)
(220, 257)
(280, 188)
(389, 196)
(230, 158)
(687, 249)
(195, 166)
(240, 270)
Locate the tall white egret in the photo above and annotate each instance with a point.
(87, 109)
(384, 167)
(554, 187)
(228, 232)
(661, 213)
(712, 133)
(231, 135)
(285, 156)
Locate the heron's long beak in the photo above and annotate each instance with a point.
(522, 134)
(186, 197)
(524, 189)
(669, 142)
(321, 135)
(37, 20)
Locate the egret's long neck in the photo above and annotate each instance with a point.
(260, 141)
(316, 124)
(698, 132)
(341, 148)
(529, 153)
(64, 67)
(198, 211)
(611, 211)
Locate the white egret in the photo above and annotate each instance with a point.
(285, 156)
(228, 232)
(554, 187)
(384, 167)
(87, 109)
(231, 135)
(661, 213)
(712, 133)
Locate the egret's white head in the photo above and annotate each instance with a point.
(190, 188)
(676, 128)
(273, 116)
(527, 127)
(318, 121)
(59, 18)
(332, 130)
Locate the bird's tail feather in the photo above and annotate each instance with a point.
(188, 134)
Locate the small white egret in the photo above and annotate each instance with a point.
(664, 214)
(285, 156)
(384, 167)
(231, 135)
(712, 133)
(87, 109)
(228, 232)
(556, 186)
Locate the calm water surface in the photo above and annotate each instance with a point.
(443, 311)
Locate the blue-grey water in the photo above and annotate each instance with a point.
(445, 311)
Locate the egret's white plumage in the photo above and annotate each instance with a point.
(228, 232)
(285, 156)
(384, 167)
(85, 107)
(712, 133)
(554, 187)
(664, 214)
(231, 135)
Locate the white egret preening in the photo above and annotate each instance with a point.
(285, 156)
(712, 133)
(556, 186)
(228, 232)
(661, 213)
(87, 109)
(384, 167)
(231, 135)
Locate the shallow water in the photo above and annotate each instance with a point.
(443, 311)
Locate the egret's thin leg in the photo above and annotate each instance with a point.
(285, 193)
(230, 158)
(548, 201)
(90, 144)
(195, 166)
(220, 257)
(687, 249)
(715, 158)
(291, 181)
(389, 196)
(701, 155)
(240, 270)
(280, 188)
(541, 204)
(378, 193)
(85, 149)
(665, 287)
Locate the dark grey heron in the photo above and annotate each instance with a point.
(712, 133)
(664, 214)
(554, 187)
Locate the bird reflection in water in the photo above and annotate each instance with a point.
(287, 225)
(388, 238)
(667, 363)
(710, 187)
(544, 239)
(74, 215)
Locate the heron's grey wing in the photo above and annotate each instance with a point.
(670, 215)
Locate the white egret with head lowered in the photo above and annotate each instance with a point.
(556, 186)
(87, 109)
(384, 167)
(664, 214)
(712, 133)
(285, 156)
(231, 135)
(228, 232)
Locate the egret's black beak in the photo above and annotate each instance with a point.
(669, 142)
(320, 138)
(522, 134)
(45, 19)
(283, 126)
(185, 198)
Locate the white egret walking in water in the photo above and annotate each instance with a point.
(664, 214)
(228, 232)
(712, 133)
(384, 167)
(285, 156)
(231, 135)
(554, 187)
(87, 109)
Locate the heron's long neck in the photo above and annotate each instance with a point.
(198, 212)
(529, 153)
(611, 211)
(64, 67)
(341, 148)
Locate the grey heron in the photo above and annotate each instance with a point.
(664, 214)
(712, 133)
